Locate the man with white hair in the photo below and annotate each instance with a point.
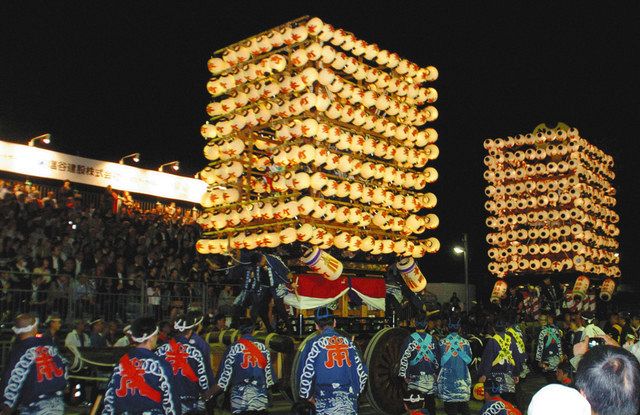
(35, 375)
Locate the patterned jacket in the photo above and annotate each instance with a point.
(549, 350)
(500, 358)
(332, 371)
(246, 367)
(420, 362)
(454, 379)
(141, 383)
(35, 371)
(190, 361)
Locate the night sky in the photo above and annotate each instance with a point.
(111, 78)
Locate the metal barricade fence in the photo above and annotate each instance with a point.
(91, 297)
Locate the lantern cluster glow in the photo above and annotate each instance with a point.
(551, 205)
(318, 137)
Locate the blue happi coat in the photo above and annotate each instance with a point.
(332, 372)
(278, 275)
(518, 337)
(498, 406)
(141, 383)
(549, 350)
(420, 362)
(35, 377)
(501, 360)
(190, 361)
(246, 367)
(454, 379)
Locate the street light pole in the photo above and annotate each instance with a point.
(466, 269)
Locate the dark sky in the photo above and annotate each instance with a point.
(110, 78)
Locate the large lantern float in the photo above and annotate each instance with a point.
(327, 143)
(551, 208)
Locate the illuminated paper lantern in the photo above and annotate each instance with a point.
(478, 391)
(411, 274)
(499, 291)
(580, 287)
(607, 289)
(322, 263)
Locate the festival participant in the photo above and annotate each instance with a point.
(454, 379)
(250, 290)
(613, 328)
(166, 328)
(278, 281)
(414, 403)
(501, 361)
(397, 292)
(551, 297)
(549, 350)
(332, 374)
(591, 329)
(564, 374)
(517, 337)
(246, 367)
(35, 376)
(142, 382)
(190, 360)
(419, 364)
(494, 404)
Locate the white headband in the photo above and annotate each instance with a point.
(144, 337)
(183, 327)
(27, 329)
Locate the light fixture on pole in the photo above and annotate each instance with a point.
(44, 138)
(133, 156)
(175, 165)
(464, 251)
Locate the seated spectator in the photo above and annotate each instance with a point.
(77, 337)
(50, 201)
(609, 377)
(125, 340)
(59, 293)
(558, 400)
(494, 404)
(112, 333)
(51, 328)
(38, 300)
(225, 301)
(97, 336)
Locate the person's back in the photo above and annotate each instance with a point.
(246, 369)
(609, 377)
(331, 372)
(35, 375)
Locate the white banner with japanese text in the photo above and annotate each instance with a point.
(34, 161)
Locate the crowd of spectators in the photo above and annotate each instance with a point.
(109, 258)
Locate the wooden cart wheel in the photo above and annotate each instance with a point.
(382, 356)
